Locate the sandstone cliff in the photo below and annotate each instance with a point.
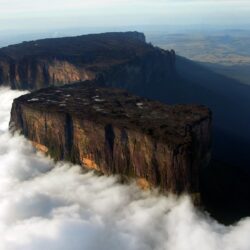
(114, 132)
(37, 64)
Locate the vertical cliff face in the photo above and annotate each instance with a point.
(30, 73)
(107, 57)
(115, 133)
(149, 73)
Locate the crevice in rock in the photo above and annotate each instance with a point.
(109, 146)
(68, 154)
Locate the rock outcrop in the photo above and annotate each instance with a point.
(104, 57)
(114, 132)
(125, 60)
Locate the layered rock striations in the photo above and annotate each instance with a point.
(105, 57)
(113, 132)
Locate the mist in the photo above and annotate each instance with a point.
(44, 205)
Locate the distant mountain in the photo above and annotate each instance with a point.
(125, 60)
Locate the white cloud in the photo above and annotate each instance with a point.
(57, 207)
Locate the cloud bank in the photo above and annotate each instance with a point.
(57, 207)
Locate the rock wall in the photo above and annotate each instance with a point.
(35, 74)
(150, 73)
(166, 153)
(108, 58)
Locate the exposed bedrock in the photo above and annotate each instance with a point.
(109, 56)
(113, 132)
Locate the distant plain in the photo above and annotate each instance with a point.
(226, 52)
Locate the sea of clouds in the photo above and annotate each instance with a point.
(51, 206)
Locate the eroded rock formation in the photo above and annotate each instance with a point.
(105, 57)
(114, 132)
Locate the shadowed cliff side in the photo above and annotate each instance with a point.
(113, 132)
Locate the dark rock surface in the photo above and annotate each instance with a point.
(114, 132)
(37, 64)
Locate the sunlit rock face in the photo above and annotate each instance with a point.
(106, 57)
(114, 132)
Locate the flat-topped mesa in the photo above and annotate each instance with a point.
(108, 56)
(114, 132)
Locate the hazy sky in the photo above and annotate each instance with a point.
(44, 14)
